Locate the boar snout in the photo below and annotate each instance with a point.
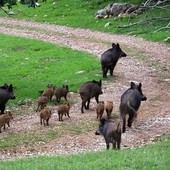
(144, 98)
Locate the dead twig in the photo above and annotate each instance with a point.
(5, 11)
(145, 21)
(163, 28)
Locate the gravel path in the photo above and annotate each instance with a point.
(154, 114)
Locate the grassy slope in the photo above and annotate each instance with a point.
(31, 65)
(155, 157)
(81, 14)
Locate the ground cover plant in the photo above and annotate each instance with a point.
(72, 13)
(154, 156)
(31, 65)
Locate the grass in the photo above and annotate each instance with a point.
(31, 65)
(72, 13)
(154, 157)
(31, 137)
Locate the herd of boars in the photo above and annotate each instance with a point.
(108, 127)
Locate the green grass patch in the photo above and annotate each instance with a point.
(45, 134)
(30, 65)
(154, 156)
(72, 13)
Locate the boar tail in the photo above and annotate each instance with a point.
(118, 127)
(132, 110)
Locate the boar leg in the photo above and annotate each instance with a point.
(114, 144)
(47, 122)
(107, 146)
(131, 115)
(65, 97)
(41, 121)
(83, 104)
(88, 103)
(105, 70)
(124, 123)
(97, 99)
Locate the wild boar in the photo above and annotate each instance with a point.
(109, 108)
(45, 115)
(100, 109)
(6, 93)
(110, 58)
(130, 103)
(42, 102)
(63, 109)
(111, 131)
(61, 92)
(49, 92)
(89, 90)
(5, 119)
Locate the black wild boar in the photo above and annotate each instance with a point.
(130, 103)
(109, 59)
(111, 131)
(6, 93)
(100, 109)
(61, 92)
(89, 90)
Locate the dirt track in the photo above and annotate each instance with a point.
(153, 72)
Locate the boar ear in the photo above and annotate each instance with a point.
(132, 85)
(140, 85)
(118, 45)
(10, 87)
(100, 82)
(113, 45)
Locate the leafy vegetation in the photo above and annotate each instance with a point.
(72, 13)
(154, 156)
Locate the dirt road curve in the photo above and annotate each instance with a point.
(153, 72)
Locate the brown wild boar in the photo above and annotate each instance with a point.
(109, 108)
(61, 92)
(63, 109)
(100, 109)
(49, 92)
(5, 119)
(42, 102)
(45, 115)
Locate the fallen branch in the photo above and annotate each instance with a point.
(5, 11)
(144, 22)
(163, 28)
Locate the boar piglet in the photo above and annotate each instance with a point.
(6, 93)
(45, 115)
(130, 103)
(49, 92)
(89, 90)
(111, 131)
(109, 59)
(100, 109)
(109, 108)
(61, 92)
(42, 102)
(5, 119)
(63, 109)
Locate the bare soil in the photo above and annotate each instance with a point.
(153, 71)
